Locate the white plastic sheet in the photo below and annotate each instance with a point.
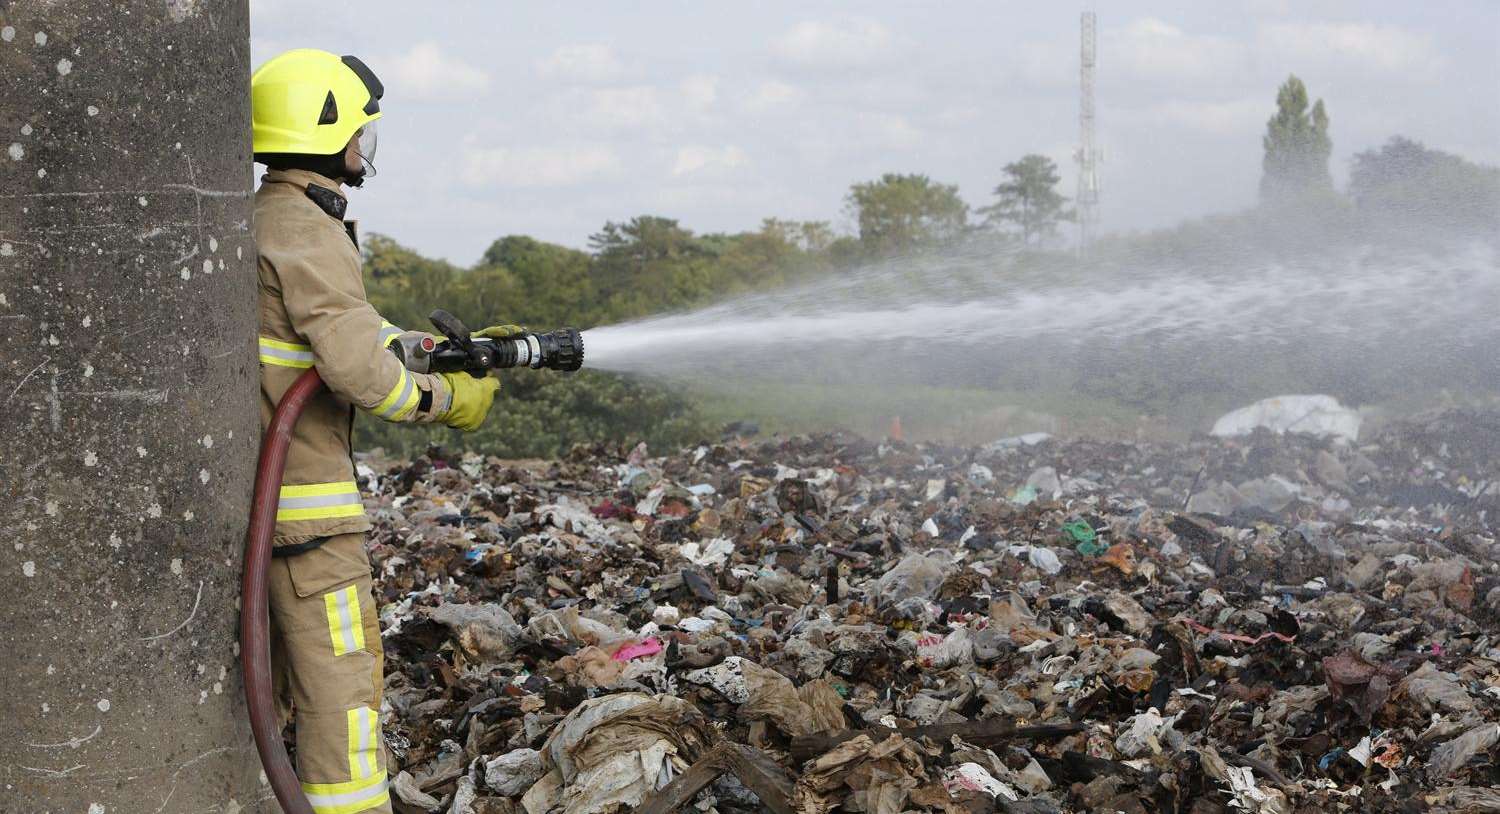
(1322, 416)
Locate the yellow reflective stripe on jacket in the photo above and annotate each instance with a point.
(388, 333)
(319, 501)
(364, 740)
(401, 400)
(285, 354)
(347, 798)
(345, 627)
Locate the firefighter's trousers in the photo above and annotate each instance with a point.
(326, 663)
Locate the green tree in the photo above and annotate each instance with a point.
(526, 281)
(1407, 180)
(1028, 200)
(1297, 146)
(622, 250)
(903, 213)
(753, 261)
(649, 264)
(808, 235)
(405, 286)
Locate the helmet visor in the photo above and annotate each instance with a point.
(368, 139)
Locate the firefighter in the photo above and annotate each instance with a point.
(314, 117)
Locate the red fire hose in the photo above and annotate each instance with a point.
(255, 637)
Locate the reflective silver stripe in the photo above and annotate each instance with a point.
(346, 620)
(388, 334)
(319, 501)
(397, 407)
(366, 717)
(289, 355)
(347, 801)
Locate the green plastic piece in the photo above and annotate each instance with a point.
(1088, 542)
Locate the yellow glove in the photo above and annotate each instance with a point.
(501, 332)
(470, 400)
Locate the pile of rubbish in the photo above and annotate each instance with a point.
(1259, 622)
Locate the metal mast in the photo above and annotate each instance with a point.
(1087, 199)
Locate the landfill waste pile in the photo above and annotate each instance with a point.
(1259, 622)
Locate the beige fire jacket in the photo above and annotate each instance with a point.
(313, 313)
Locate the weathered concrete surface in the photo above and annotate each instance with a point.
(128, 383)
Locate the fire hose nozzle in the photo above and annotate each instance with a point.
(561, 349)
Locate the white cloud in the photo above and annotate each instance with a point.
(581, 62)
(1269, 7)
(1229, 118)
(1048, 64)
(1363, 46)
(844, 43)
(557, 166)
(428, 72)
(1145, 49)
(624, 108)
(698, 158)
(773, 94)
(890, 129)
(701, 90)
(1152, 49)
(960, 114)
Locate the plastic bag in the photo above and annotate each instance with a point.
(915, 576)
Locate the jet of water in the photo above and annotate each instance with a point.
(970, 314)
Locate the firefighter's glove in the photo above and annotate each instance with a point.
(501, 332)
(470, 400)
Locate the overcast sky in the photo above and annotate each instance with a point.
(550, 119)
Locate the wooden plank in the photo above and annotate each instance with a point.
(754, 768)
(762, 775)
(687, 785)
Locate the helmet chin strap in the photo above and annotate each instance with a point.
(333, 166)
(366, 170)
(356, 178)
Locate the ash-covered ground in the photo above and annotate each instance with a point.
(1266, 623)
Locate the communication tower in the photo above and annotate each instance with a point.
(1087, 199)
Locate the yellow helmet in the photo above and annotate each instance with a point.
(311, 102)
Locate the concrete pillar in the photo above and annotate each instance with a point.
(128, 423)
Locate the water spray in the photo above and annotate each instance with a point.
(970, 317)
